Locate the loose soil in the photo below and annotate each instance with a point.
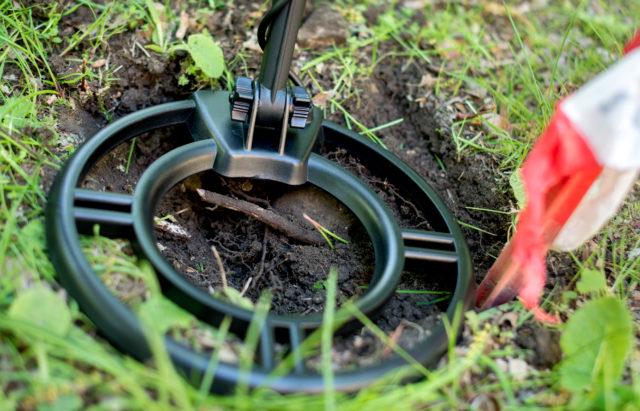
(292, 270)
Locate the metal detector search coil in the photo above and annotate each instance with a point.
(262, 130)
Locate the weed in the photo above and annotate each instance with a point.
(229, 293)
(327, 340)
(319, 285)
(206, 54)
(596, 342)
(324, 231)
(207, 58)
(130, 156)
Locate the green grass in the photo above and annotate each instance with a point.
(523, 62)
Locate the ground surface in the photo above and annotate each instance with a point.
(258, 257)
(295, 272)
(446, 135)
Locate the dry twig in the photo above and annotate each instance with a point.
(268, 217)
(223, 273)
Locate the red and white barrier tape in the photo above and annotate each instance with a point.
(575, 177)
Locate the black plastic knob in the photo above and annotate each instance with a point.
(301, 107)
(241, 99)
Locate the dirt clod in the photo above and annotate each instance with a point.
(543, 342)
(324, 26)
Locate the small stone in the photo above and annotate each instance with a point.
(518, 369)
(252, 44)
(544, 344)
(50, 100)
(414, 5)
(358, 342)
(99, 63)
(228, 355)
(324, 27)
(172, 228)
(485, 402)
(502, 364)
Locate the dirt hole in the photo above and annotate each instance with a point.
(256, 256)
(293, 270)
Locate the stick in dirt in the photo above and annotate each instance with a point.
(268, 217)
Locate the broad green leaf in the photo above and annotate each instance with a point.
(595, 343)
(163, 314)
(591, 281)
(15, 112)
(43, 308)
(515, 181)
(206, 54)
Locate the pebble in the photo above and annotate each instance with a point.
(502, 364)
(324, 26)
(518, 368)
(358, 342)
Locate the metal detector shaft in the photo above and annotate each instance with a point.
(283, 32)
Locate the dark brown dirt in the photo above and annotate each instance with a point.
(295, 272)
(250, 250)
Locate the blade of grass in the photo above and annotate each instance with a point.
(327, 340)
(251, 342)
(207, 380)
(385, 338)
